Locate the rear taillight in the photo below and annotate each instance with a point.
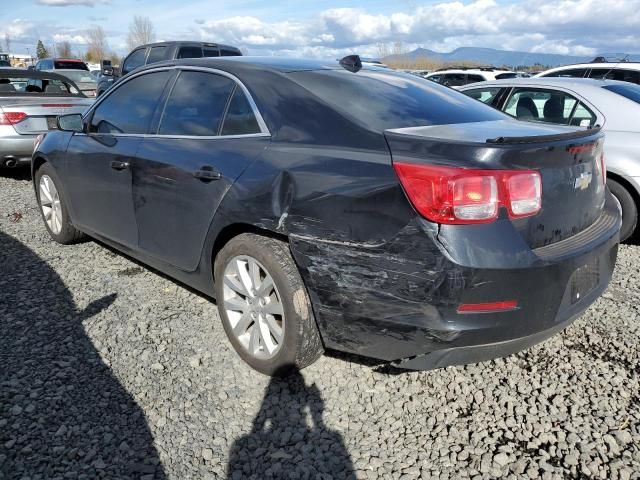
(11, 118)
(460, 196)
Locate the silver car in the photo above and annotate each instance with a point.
(582, 102)
(30, 102)
(84, 79)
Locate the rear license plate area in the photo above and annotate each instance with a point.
(52, 123)
(584, 280)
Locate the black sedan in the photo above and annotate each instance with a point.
(325, 205)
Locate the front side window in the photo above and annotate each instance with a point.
(485, 95)
(130, 107)
(196, 104)
(156, 54)
(135, 60)
(240, 119)
(190, 52)
(454, 79)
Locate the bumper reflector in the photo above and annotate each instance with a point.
(504, 306)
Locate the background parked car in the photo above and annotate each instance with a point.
(457, 77)
(299, 187)
(30, 101)
(85, 81)
(51, 64)
(582, 102)
(615, 70)
(158, 52)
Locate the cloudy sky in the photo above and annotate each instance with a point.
(332, 27)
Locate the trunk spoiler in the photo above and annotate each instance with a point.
(545, 138)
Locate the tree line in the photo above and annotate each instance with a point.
(141, 31)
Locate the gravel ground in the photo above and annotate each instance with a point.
(109, 370)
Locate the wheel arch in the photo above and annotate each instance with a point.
(633, 191)
(232, 230)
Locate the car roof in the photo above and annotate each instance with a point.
(563, 82)
(62, 59)
(245, 63)
(37, 74)
(472, 70)
(609, 65)
(184, 42)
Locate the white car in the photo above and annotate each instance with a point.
(623, 71)
(582, 102)
(458, 77)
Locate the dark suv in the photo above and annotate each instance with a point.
(157, 52)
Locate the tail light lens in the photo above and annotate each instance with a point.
(462, 196)
(11, 118)
(524, 192)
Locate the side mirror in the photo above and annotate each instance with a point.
(108, 72)
(70, 123)
(31, 67)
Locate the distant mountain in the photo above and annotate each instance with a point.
(491, 56)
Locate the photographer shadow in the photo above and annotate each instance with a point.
(63, 413)
(289, 438)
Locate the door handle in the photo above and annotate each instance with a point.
(118, 165)
(207, 174)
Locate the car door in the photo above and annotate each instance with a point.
(209, 133)
(98, 162)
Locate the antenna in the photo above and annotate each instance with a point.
(351, 63)
(622, 60)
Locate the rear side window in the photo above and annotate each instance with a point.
(196, 104)
(156, 54)
(485, 95)
(69, 65)
(227, 52)
(130, 108)
(190, 52)
(623, 75)
(380, 99)
(502, 76)
(135, 60)
(471, 78)
(632, 92)
(240, 119)
(210, 52)
(454, 79)
(572, 72)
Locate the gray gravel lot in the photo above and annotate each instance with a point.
(109, 370)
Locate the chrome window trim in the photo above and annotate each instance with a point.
(191, 137)
(264, 130)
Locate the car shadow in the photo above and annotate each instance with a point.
(289, 438)
(63, 414)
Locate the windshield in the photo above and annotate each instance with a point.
(78, 76)
(37, 86)
(385, 99)
(631, 91)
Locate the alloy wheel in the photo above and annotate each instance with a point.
(50, 204)
(253, 307)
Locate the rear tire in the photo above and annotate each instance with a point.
(272, 328)
(629, 209)
(53, 206)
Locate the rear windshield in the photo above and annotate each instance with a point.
(387, 99)
(40, 86)
(631, 91)
(70, 64)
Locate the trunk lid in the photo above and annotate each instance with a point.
(568, 160)
(41, 112)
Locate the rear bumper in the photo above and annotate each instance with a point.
(399, 304)
(17, 147)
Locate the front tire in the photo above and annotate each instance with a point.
(53, 206)
(629, 209)
(264, 306)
